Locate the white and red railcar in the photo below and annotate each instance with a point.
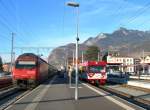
(93, 72)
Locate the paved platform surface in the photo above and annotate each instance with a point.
(139, 83)
(147, 77)
(134, 92)
(57, 95)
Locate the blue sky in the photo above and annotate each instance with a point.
(51, 23)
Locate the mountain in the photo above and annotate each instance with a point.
(121, 38)
(126, 41)
(60, 54)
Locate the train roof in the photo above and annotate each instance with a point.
(27, 55)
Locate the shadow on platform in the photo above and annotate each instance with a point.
(59, 80)
(64, 99)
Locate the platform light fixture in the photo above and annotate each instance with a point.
(76, 5)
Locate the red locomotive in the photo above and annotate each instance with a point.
(93, 72)
(30, 70)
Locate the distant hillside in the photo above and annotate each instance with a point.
(59, 55)
(127, 42)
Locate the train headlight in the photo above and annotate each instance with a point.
(91, 74)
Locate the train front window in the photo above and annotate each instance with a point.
(96, 69)
(25, 64)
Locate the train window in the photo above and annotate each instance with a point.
(96, 68)
(25, 64)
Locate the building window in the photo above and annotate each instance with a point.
(120, 60)
(127, 60)
(124, 60)
(130, 60)
(130, 69)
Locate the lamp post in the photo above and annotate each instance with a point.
(76, 5)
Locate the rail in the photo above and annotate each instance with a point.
(134, 99)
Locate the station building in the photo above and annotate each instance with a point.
(145, 63)
(123, 64)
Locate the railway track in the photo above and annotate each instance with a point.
(6, 88)
(131, 98)
(10, 95)
(9, 98)
(137, 100)
(136, 88)
(5, 83)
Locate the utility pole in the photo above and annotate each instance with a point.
(12, 50)
(82, 57)
(143, 62)
(67, 60)
(73, 59)
(98, 57)
(38, 51)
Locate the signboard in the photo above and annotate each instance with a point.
(114, 60)
(26, 62)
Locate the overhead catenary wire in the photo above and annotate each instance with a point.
(138, 13)
(8, 38)
(26, 31)
(12, 4)
(20, 30)
(4, 37)
(6, 8)
(5, 23)
(4, 19)
(122, 5)
(63, 18)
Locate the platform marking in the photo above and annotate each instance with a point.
(110, 98)
(30, 93)
(74, 87)
(33, 106)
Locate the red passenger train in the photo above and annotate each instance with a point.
(30, 70)
(93, 72)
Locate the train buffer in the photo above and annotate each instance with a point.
(57, 95)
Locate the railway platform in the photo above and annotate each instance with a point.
(134, 92)
(140, 83)
(138, 90)
(57, 94)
